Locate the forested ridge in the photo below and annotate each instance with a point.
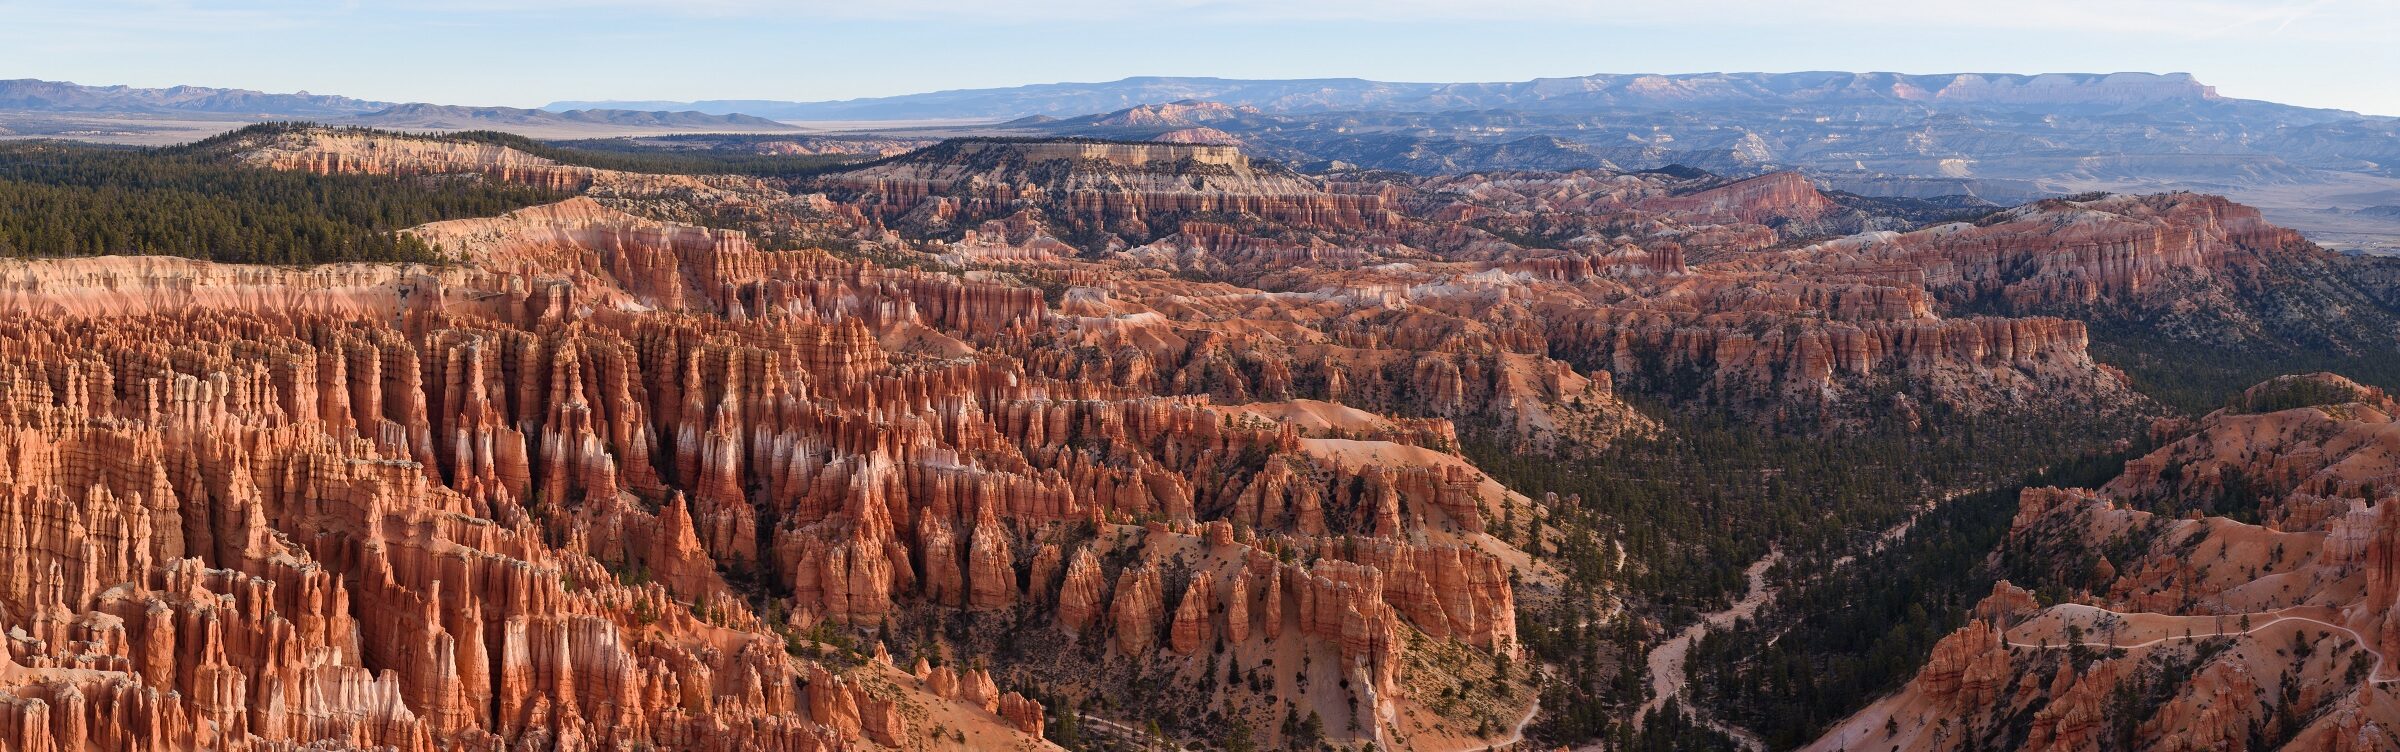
(1833, 642)
(1696, 504)
(70, 199)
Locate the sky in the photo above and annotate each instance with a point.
(526, 53)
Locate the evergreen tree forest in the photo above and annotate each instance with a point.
(1696, 505)
(69, 199)
(1835, 639)
(1831, 644)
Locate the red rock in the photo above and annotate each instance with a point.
(1966, 669)
(991, 570)
(1023, 714)
(1775, 197)
(1079, 597)
(1117, 187)
(1135, 610)
(975, 688)
(497, 504)
(1190, 630)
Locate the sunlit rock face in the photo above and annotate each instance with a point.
(615, 481)
(585, 489)
(2279, 626)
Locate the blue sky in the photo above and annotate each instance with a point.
(2331, 53)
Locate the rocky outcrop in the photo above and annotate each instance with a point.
(2115, 248)
(333, 518)
(1135, 611)
(1191, 629)
(1023, 715)
(1135, 192)
(2149, 577)
(365, 152)
(1079, 598)
(1972, 363)
(610, 481)
(1967, 670)
(1773, 199)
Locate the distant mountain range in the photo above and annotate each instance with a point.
(2001, 137)
(453, 116)
(2004, 138)
(32, 95)
(2081, 92)
(59, 97)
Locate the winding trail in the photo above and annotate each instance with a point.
(1667, 677)
(1132, 734)
(2355, 637)
(1517, 736)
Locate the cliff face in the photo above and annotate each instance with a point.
(2124, 249)
(1773, 199)
(1133, 193)
(1671, 281)
(2280, 626)
(360, 153)
(610, 481)
(369, 152)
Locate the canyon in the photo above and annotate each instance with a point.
(1161, 434)
(2266, 632)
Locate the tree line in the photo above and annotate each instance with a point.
(70, 199)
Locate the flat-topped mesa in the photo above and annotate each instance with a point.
(2049, 89)
(540, 263)
(342, 151)
(1153, 156)
(336, 152)
(1773, 199)
(1134, 192)
(1974, 364)
(2119, 249)
(638, 264)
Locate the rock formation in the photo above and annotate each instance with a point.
(614, 481)
(2290, 618)
(1135, 192)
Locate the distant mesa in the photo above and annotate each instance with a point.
(1608, 90)
(60, 97)
(32, 95)
(451, 116)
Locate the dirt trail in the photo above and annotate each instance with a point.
(1518, 735)
(1667, 676)
(2363, 644)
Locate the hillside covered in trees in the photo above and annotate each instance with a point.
(65, 199)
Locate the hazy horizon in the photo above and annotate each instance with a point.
(528, 53)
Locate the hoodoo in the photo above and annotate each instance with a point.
(1197, 413)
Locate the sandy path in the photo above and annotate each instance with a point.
(1667, 677)
(2363, 644)
(1517, 735)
